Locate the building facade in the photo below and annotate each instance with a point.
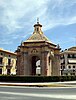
(38, 55)
(68, 61)
(7, 62)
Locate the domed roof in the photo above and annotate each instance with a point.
(37, 34)
(37, 37)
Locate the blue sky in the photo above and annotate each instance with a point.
(17, 18)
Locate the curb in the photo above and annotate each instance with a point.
(33, 85)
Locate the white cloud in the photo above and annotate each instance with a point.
(17, 10)
(18, 16)
(60, 12)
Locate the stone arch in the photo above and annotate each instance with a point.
(35, 64)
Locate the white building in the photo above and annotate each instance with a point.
(68, 61)
(7, 62)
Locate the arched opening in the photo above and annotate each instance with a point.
(36, 69)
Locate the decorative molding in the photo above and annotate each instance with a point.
(34, 51)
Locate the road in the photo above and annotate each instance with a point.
(37, 93)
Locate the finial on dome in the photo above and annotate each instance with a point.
(38, 24)
(38, 20)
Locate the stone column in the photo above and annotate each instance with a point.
(20, 67)
(44, 63)
(56, 65)
(26, 69)
(21, 62)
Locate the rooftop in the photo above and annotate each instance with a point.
(38, 35)
(6, 51)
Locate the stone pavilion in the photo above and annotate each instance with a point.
(38, 55)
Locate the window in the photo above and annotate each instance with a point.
(73, 66)
(1, 53)
(70, 55)
(66, 74)
(75, 55)
(37, 29)
(9, 55)
(72, 73)
(73, 70)
(63, 61)
(9, 61)
(8, 71)
(0, 71)
(69, 67)
(63, 67)
(1, 60)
